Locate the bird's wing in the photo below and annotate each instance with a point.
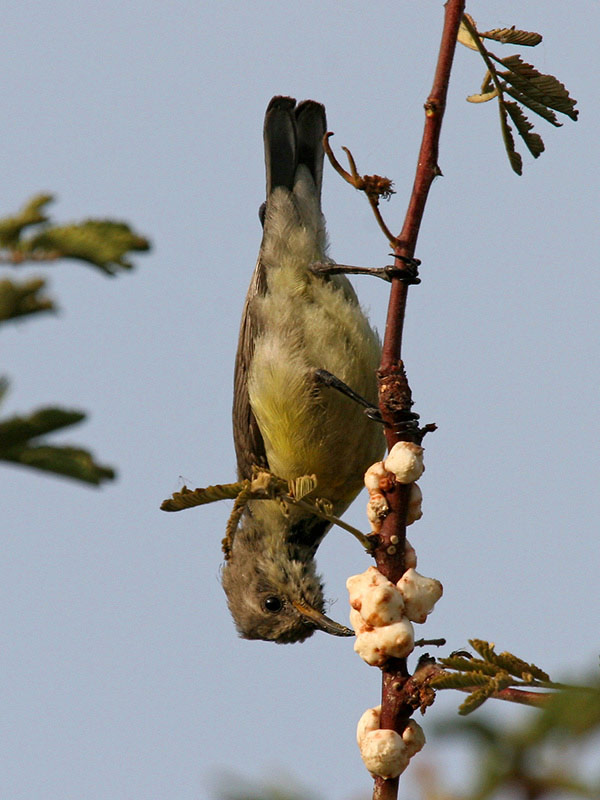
(280, 140)
(292, 135)
(247, 438)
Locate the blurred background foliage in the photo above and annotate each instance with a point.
(30, 236)
(546, 758)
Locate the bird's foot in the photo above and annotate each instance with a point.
(408, 272)
(326, 378)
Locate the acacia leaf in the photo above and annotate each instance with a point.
(513, 36)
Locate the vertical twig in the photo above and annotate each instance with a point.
(394, 391)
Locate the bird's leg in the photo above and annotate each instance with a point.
(326, 378)
(408, 272)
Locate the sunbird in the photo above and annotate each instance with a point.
(297, 323)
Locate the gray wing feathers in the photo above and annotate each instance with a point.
(247, 438)
(292, 135)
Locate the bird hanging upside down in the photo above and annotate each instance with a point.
(294, 324)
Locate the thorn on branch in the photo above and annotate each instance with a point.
(431, 427)
(430, 642)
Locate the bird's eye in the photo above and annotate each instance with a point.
(273, 604)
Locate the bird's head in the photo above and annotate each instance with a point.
(273, 590)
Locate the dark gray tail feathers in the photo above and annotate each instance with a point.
(293, 135)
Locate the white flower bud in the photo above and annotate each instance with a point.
(357, 622)
(368, 722)
(374, 475)
(379, 504)
(383, 605)
(414, 511)
(377, 509)
(358, 585)
(410, 555)
(377, 599)
(375, 521)
(391, 641)
(420, 594)
(413, 737)
(405, 460)
(384, 753)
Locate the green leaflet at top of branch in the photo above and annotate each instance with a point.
(542, 94)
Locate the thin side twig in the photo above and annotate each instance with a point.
(374, 186)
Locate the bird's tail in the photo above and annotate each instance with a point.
(293, 135)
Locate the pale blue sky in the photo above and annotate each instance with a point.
(122, 673)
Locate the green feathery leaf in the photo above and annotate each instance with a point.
(521, 669)
(534, 142)
(527, 86)
(32, 213)
(17, 433)
(19, 299)
(459, 680)
(545, 89)
(532, 105)
(3, 387)
(102, 243)
(72, 462)
(485, 649)
(478, 697)
(474, 700)
(513, 36)
(189, 498)
(515, 159)
(18, 430)
(507, 661)
(470, 665)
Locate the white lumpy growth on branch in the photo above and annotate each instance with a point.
(405, 460)
(379, 477)
(384, 752)
(420, 594)
(382, 613)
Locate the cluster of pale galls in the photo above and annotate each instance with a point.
(383, 613)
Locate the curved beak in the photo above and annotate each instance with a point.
(321, 621)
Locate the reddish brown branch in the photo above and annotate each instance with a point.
(395, 395)
(427, 170)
